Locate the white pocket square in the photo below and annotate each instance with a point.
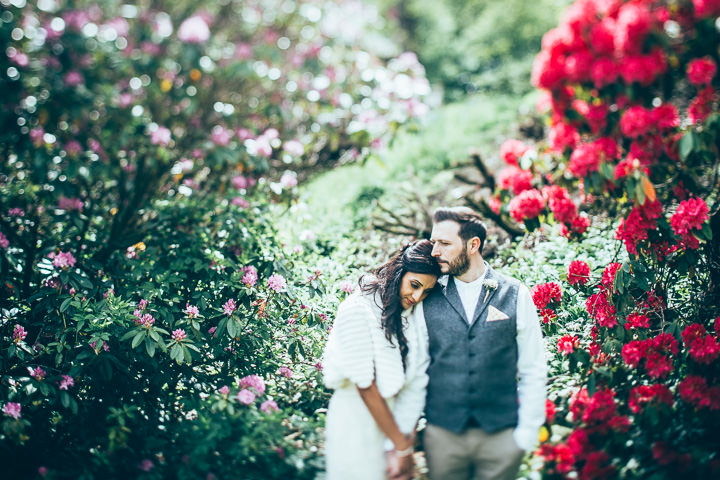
(494, 315)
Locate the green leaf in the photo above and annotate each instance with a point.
(187, 354)
(687, 145)
(65, 399)
(232, 327)
(128, 335)
(176, 353)
(138, 338)
(150, 347)
(706, 232)
(65, 304)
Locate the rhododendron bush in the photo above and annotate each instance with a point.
(141, 280)
(631, 92)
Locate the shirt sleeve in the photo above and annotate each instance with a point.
(410, 401)
(353, 354)
(532, 372)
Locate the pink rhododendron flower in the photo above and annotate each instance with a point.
(562, 207)
(224, 390)
(146, 465)
(37, 373)
(191, 311)
(253, 381)
(269, 406)
(515, 179)
(277, 282)
(246, 397)
(70, 203)
(706, 8)
(66, 382)
(221, 136)
(19, 334)
(701, 107)
(285, 372)
(4, 242)
(251, 276)
(240, 202)
(601, 310)
(294, 148)
(288, 180)
(62, 259)
(160, 136)
(12, 409)
(636, 121)
(194, 30)
(229, 307)
(346, 287)
(179, 335)
(578, 272)
(547, 315)
(73, 78)
(608, 278)
(527, 205)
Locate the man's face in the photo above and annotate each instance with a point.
(449, 249)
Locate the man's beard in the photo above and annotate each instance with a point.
(460, 265)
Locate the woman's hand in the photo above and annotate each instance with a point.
(399, 467)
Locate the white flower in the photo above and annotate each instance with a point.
(490, 284)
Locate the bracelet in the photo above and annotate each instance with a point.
(405, 452)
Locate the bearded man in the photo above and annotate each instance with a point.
(486, 393)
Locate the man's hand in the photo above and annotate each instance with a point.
(399, 467)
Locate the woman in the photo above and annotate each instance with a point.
(375, 360)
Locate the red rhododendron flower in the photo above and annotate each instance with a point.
(577, 66)
(578, 402)
(634, 21)
(701, 71)
(608, 278)
(657, 365)
(515, 179)
(701, 107)
(643, 69)
(705, 349)
(633, 352)
(566, 344)
(633, 229)
(666, 117)
(716, 326)
(580, 224)
(547, 315)
(706, 8)
(548, 70)
(695, 391)
(546, 293)
(649, 394)
(692, 332)
(563, 209)
(637, 320)
(619, 423)
(578, 272)
(579, 442)
(597, 466)
(512, 150)
(602, 36)
(560, 455)
(601, 310)
(563, 136)
(691, 214)
(549, 410)
(494, 203)
(527, 205)
(600, 407)
(636, 121)
(604, 71)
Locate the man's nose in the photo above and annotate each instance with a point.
(435, 251)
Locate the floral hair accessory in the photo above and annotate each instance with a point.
(490, 284)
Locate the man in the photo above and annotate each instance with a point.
(486, 393)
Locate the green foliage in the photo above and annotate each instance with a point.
(476, 45)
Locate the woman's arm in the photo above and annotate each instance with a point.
(378, 408)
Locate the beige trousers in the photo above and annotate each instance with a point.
(472, 454)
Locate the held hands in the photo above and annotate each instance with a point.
(400, 465)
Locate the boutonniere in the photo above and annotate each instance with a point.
(490, 284)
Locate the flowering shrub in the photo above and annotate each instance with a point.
(141, 278)
(632, 97)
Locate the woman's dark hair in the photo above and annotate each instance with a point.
(385, 286)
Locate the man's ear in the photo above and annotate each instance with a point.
(474, 245)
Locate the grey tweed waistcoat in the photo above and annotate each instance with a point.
(473, 366)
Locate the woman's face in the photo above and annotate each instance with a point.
(414, 287)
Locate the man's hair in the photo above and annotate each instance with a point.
(471, 224)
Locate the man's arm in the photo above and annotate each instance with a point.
(532, 372)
